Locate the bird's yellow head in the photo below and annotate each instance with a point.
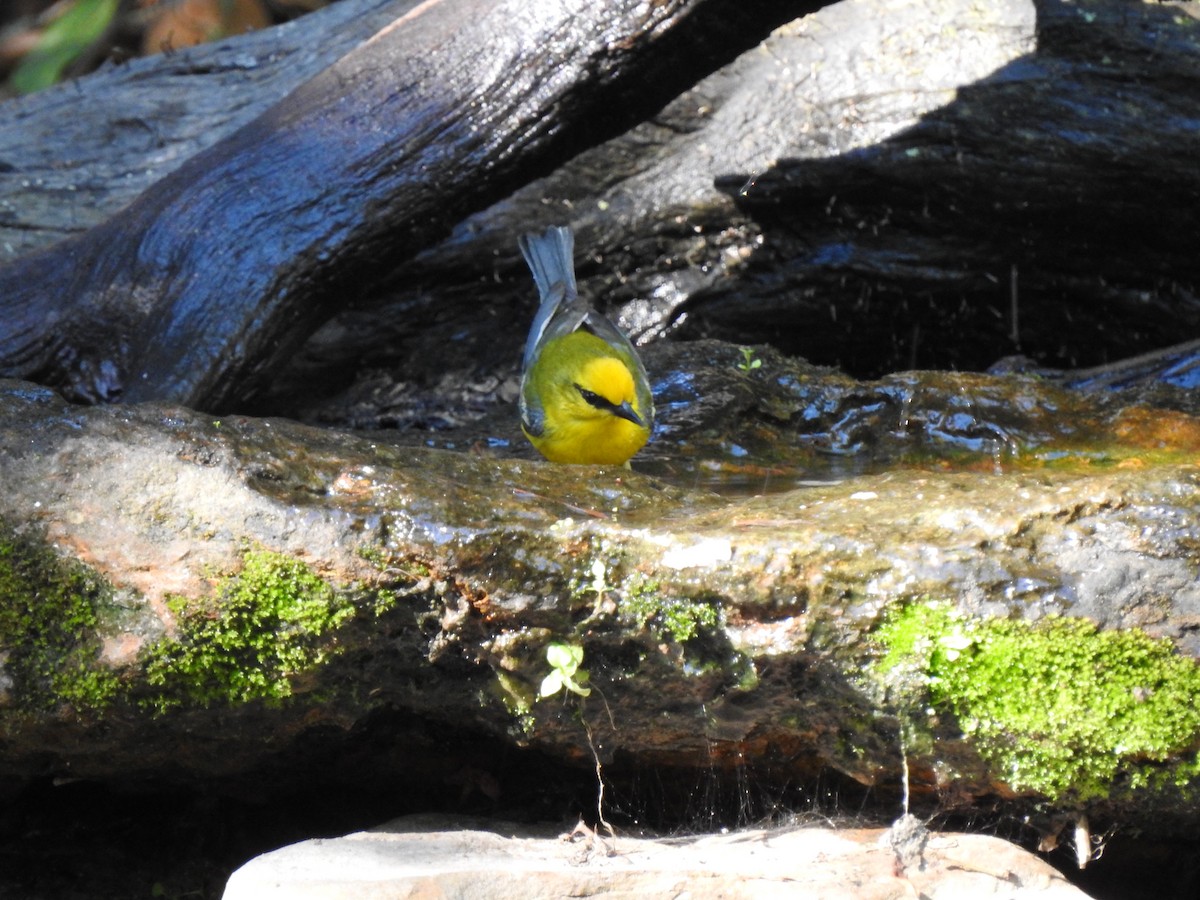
(593, 409)
(606, 387)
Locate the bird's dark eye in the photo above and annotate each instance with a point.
(593, 398)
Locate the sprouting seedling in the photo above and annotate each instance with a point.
(599, 578)
(599, 586)
(564, 660)
(749, 362)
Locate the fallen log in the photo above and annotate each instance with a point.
(656, 231)
(73, 155)
(1036, 213)
(972, 187)
(211, 277)
(1012, 260)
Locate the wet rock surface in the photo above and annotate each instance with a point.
(264, 598)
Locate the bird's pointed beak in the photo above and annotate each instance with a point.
(625, 411)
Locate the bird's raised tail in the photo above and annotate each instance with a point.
(551, 260)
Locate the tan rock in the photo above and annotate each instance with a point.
(418, 857)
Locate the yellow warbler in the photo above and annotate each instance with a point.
(585, 397)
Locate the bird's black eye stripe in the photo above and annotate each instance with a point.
(593, 398)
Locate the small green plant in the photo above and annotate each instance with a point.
(80, 27)
(599, 583)
(564, 660)
(599, 586)
(749, 361)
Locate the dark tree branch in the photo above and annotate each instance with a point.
(73, 155)
(1050, 209)
(212, 276)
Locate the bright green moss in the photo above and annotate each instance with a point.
(679, 618)
(1058, 706)
(49, 612)
(266, 624)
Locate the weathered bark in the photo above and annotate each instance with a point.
(653, 227)
(211, 277)
(973, 164)
(73, 155)
(1038, 212)
(992, 198)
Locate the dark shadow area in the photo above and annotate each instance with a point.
(86, 840)
(62, 840)
(1035, 214)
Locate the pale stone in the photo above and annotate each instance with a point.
(415, 858)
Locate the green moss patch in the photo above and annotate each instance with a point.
(678, 618)
(1057, 706)
(265, 625)
(49, 612)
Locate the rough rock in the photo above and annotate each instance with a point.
(229, 586)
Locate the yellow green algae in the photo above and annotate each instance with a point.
(263, 626)
(50, 608)
(1058, 706)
